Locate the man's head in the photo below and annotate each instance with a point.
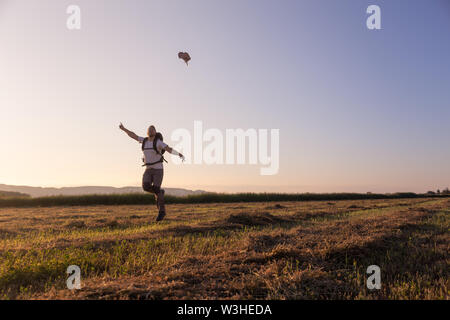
(151, 132)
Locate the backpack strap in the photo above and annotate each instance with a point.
(155, 141)
(143, 143)
(152, 163)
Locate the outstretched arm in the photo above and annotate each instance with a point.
(173, 151)
(131, 134)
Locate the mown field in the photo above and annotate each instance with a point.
(247, 250)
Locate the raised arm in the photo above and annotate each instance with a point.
(131, 134)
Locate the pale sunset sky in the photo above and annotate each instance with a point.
(358, 110)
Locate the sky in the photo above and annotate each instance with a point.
(358, 110)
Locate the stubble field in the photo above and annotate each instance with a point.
(261, 250)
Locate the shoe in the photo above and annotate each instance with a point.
(160, 216)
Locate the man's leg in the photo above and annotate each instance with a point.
(147, 184)
(147, 180)
(157, 181)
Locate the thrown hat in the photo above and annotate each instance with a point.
(185, 56)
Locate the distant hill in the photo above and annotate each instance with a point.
(73, 191)
(10, 194)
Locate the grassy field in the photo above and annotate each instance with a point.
(246, 250)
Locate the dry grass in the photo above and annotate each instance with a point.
(289, 250)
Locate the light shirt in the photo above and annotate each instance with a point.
(151, 155)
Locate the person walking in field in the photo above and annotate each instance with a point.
(153, 148)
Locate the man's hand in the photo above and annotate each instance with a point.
(181, 156)
(128, 132)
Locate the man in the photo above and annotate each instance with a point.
(153, 175)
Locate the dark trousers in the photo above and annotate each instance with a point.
(151, 182)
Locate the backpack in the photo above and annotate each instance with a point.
(157, 137)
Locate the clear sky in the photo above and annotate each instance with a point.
(358, 110)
